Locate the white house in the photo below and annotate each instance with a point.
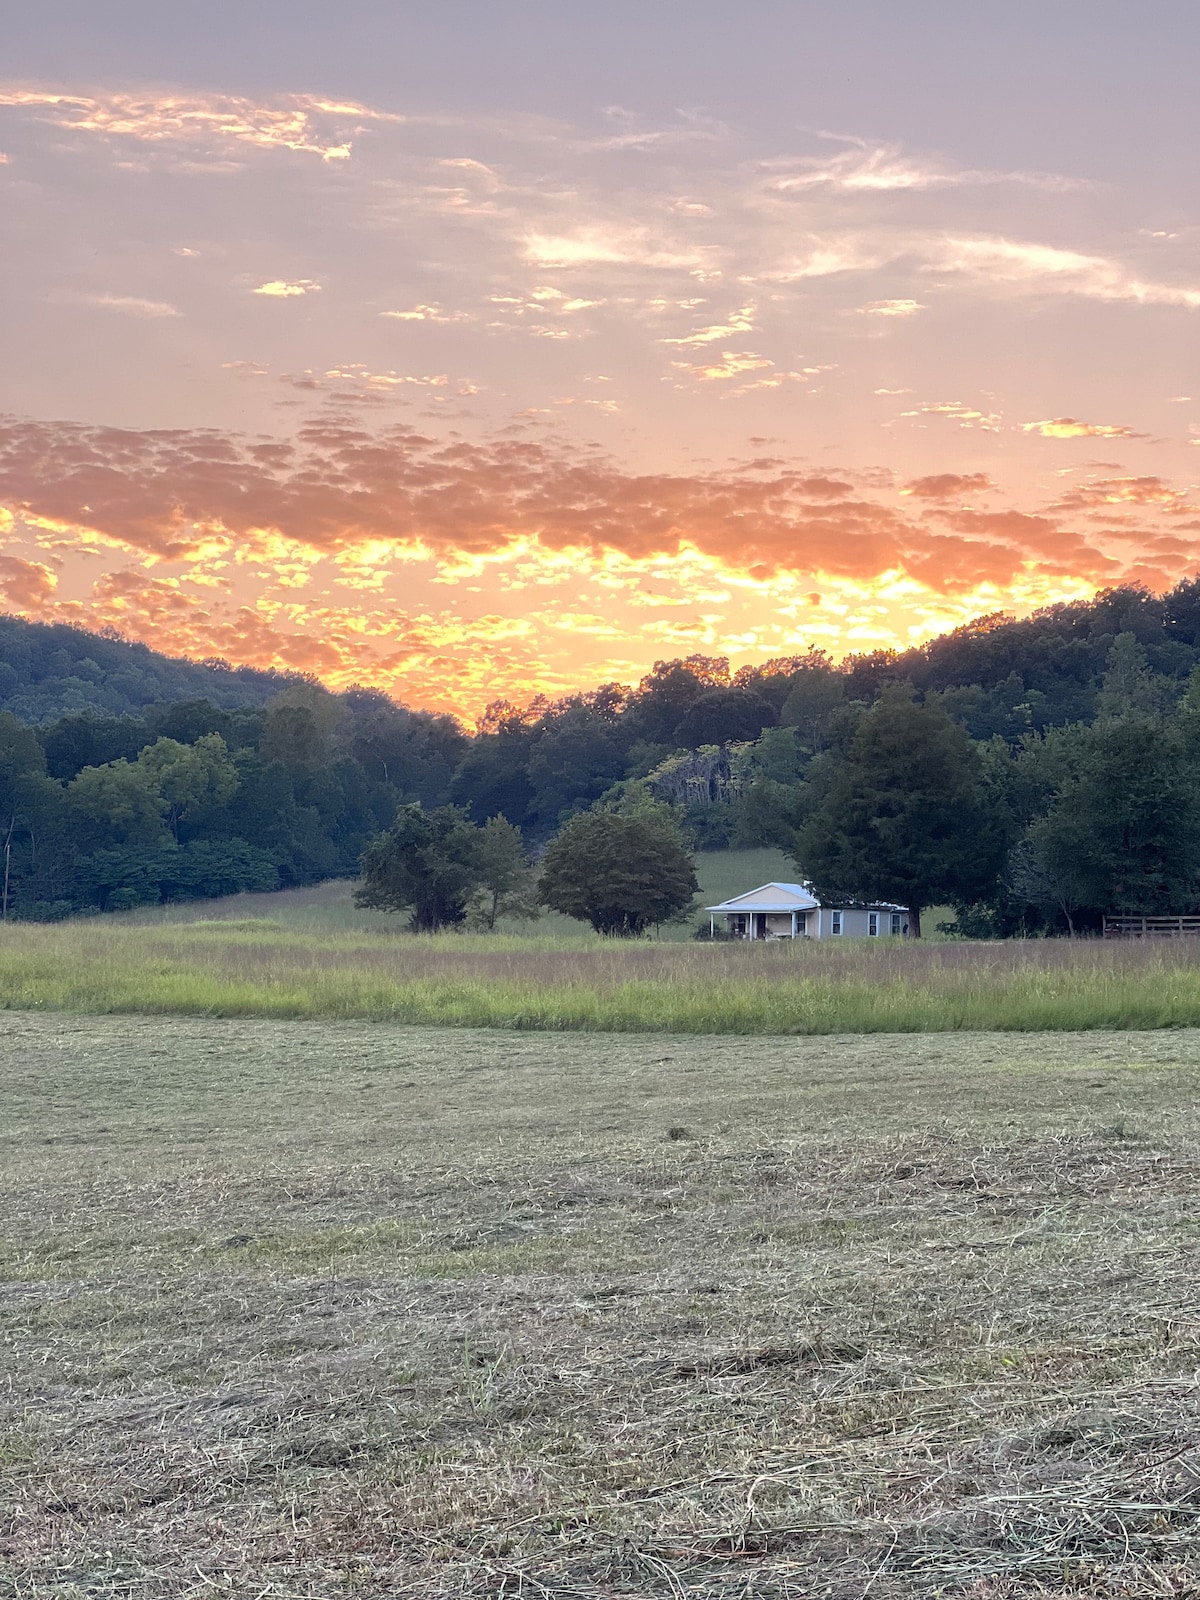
(790, 911)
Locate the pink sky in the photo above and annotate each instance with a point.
(465, 392)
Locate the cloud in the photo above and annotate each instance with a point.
(965, 416)
(732, 364)
(1069, 428)
(891, 308)
(291, 122)
(423, 313)
(948, 485)
(864, 167)
(168, 495)
(613, 246)
(26, 585)
(132, 305)
(1101, 493)
(287, 288)
(1046, 269)
(741, 321)
(309, 551)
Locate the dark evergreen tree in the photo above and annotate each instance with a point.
(902, 817)
(1123, 832)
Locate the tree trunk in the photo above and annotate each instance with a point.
(914, 922)
(7, 869)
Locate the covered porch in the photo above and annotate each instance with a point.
(776, 911)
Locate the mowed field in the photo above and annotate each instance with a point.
(307, 1310)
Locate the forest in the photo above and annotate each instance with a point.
(1033, 774)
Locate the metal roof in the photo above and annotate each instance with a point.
(781, 897)
(771, 897)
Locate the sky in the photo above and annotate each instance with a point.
(498, 348)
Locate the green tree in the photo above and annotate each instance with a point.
(1123, 833)
(902, 817)
(665, 695)
(507, 883)
(723, 716)
(122, 801)
(574, 757)
(816, 693)
(190, 776)
(622, 872)
(427, 863)
(23, 791)
(1130, 689)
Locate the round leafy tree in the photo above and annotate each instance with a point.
(620, 873)
(427, 863)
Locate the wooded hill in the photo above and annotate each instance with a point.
(127, 776)
(49, 670)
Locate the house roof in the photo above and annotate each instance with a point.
(793, 897)
(771, 897)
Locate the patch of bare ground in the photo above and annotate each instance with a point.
(300, 1310)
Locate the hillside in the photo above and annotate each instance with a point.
(48, 670)
(128, 778)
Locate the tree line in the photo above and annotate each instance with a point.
(1031, 774)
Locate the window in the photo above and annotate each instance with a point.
(895, 922)
(835, 922)
(873, 924)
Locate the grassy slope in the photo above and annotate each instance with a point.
(296, 1312)
(328, 906)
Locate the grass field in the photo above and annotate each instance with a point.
(280, 968)
(301, 1312)
(329, 907)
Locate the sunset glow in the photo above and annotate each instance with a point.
(355, 357)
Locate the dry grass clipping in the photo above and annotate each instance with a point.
(296, 1311)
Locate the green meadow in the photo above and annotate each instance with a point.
(310, 955)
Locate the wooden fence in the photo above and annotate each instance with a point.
(1150, 927)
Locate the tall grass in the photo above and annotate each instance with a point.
(256, 967)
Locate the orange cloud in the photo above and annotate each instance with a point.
(26, 585)
(1105, 492)
(965, 416)
(1069, 428)
(311, 552)
(170, 494)
(947, 485)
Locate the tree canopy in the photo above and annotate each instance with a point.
(427, 863)
(902, 818)
(622, 872)
(155, 779)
